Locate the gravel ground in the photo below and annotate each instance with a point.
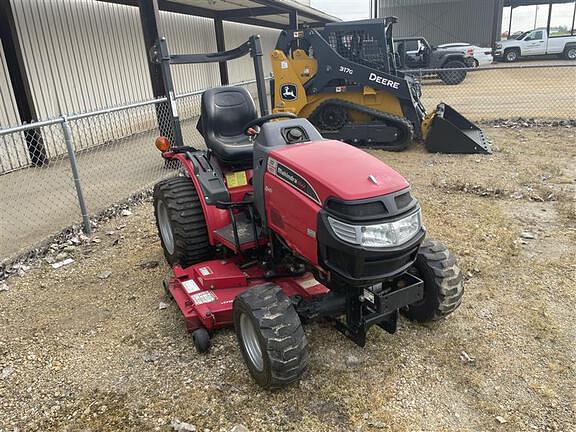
(87, 346)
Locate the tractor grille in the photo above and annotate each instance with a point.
(403, 200)
(357, 210)
(370, 266)
(372, 209)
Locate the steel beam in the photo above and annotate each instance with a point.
(258, 22)
(242, 16)
(20, 83)
(169, 6)
(516, 3)
(248, 12)
(549, 17)
(293, 23)
(180, 8)
(497, 21)
(374, 9)
(167, 117)
(150, 21)
(510, 22)
(221, 46)
(573, 20)
(288, 9)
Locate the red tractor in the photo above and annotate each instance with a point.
(273, 226)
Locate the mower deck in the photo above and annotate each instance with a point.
(205, 292)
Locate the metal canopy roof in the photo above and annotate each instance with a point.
(516, 3)
(266, 13)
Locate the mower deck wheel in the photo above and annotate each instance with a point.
(270, 336)
(443, 283)
(201, 339)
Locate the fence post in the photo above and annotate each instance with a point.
(74, 166)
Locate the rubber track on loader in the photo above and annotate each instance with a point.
(406, 128)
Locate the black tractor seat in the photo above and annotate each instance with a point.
(225, 111)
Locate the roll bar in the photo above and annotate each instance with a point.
(160, 55)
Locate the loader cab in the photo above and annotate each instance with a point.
(367, 42)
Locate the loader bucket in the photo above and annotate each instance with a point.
(451, 132)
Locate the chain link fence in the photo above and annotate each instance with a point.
(60, 172)
(57, 173)
(503, 92)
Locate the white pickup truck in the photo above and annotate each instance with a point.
(535, 43)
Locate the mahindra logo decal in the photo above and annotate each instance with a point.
(292, 178)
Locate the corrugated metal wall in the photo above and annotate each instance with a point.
(85, 55)
(12, 151)
(235, 34)
(8, 111)
(443, 21)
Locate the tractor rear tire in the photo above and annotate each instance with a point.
(443, 283)
(270, 336)
(456, 76)
(181, 223)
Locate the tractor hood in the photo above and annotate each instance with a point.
(335, 169)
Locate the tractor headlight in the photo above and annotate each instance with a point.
(498, 46)
(379, 235)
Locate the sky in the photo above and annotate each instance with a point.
(348, 10)
(524, 17)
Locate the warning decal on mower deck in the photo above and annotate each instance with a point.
(190, 286)
(203, 297)
(205, 271)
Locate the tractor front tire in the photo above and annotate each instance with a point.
(443, 283)
(181, 223)
(270, 336)
(453, 77)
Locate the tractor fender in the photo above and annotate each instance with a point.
(450, 57)
(209, 186)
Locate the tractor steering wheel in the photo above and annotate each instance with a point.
(264, 119)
